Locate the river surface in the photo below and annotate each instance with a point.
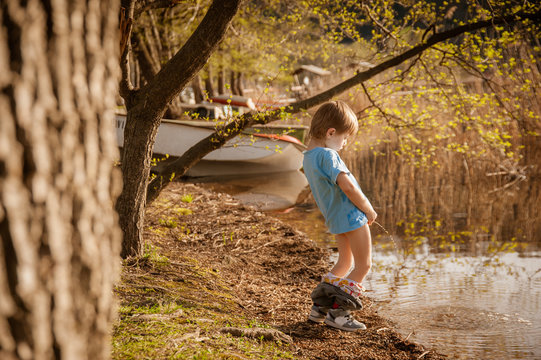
(469, 300)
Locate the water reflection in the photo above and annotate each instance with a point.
(480, 305)
(265, 192)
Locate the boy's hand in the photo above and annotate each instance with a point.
(371, 216)
(356, 196)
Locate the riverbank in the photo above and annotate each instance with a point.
(222, 281)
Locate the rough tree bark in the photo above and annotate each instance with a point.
(59, 235)
(146, 107)
(214, 141)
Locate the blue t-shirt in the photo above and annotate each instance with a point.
(321, 167)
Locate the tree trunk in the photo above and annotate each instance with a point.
(233, 82)
(131, 203)
(221, 81)
(197, 89)
(239, 84)
(146, 107)
(208, 82)
(59, 236)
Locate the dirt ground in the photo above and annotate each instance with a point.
(236, 268)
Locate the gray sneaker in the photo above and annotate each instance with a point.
(342, 319)
(317, 314)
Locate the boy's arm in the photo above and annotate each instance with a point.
(356, 196)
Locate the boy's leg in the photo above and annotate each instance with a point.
(357, 245)
(345, 256)
(343, 265)
(360, 242)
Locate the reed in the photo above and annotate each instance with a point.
(455, 165)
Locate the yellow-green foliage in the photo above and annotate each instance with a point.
(473, 95)
(169, 222)
(182, 211)
(434, 103)
(186, 198)
(151, 254)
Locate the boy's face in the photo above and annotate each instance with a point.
(334, 140)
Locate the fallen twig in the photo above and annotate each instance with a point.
(411, 333)
(258, 333)
(262, 246)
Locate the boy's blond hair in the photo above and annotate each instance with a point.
(333, 114)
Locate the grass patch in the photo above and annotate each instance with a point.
(151, 254)
(176, 311)
(186, 198)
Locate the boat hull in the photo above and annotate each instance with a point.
(244, 154)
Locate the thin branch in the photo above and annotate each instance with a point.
(385, 115)
(192, 56)
(378, 24)
(472, 70)
(155, 32)
(192, 19)
(144, 5)
(126, 26)
(149, 65)
(402, 75)
(435, 81)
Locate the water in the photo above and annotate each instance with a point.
(475, 299)
(265, 192)
(468, 307)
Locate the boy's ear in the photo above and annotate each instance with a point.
(330, 132)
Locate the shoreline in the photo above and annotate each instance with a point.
(222, 280)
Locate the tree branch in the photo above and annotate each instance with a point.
(432, 40)
(126, 25)
(148, 65)
(193, 55)
(146, 5)
(220, 137)
(378, 24)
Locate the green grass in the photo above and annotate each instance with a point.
(151, 254)
(168, 314)
(187, 198)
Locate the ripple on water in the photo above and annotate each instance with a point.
(466, 332)
(464, 310)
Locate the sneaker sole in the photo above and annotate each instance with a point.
(318, 320)
(336, 326)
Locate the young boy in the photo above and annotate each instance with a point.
(346, 210)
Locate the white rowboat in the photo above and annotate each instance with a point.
(254, 153)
